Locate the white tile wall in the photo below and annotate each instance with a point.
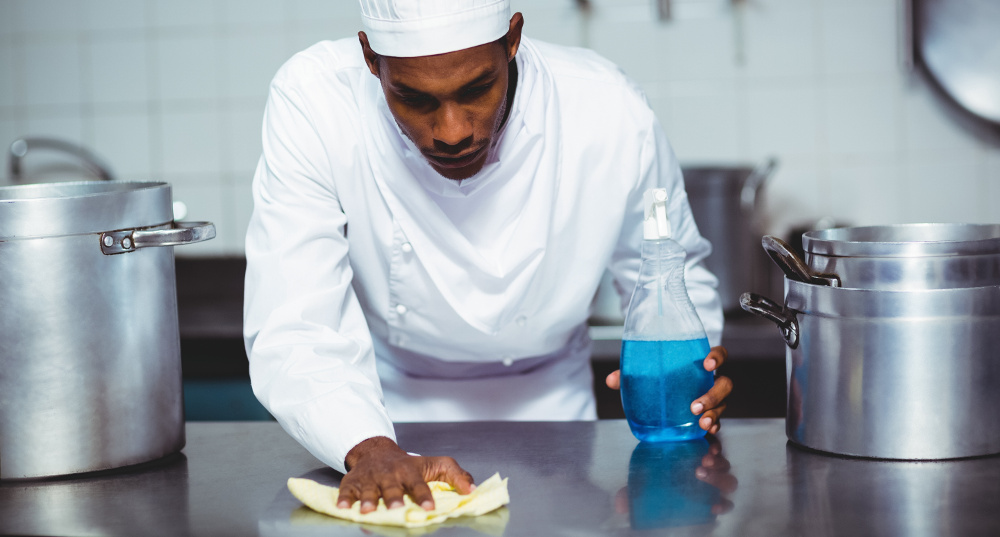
(47, 16)
(7, 87)
(174, 90)
(783, 118)
(116, 15)
(122, 139)
(862, 117)
(52, 71)
(243, 142)
(192, 143)
(249, 61)
(118, 69)
(254, 13)
(185, 14)
(7, 15)
(859, 37)
(66, 122)
(188, 67)
(780, 39)
(707, 119)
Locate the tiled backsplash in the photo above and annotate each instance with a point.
(171, 90)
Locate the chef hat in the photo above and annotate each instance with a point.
(408, 28)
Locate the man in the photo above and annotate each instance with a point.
(433, 213)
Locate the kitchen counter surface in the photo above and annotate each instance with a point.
(575, 478)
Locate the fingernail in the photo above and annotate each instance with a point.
(706, 423)
(711, 365)
(368, 505)
(715, 429)
(395, 504)
(344, 504)
(697, 408)
(472, 487)
(427, 505)
(701, 472)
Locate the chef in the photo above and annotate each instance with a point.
(433, 212)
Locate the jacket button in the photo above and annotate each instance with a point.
(400, 309)
(406, 247)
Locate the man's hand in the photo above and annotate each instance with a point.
(711, 405)
(378, 468)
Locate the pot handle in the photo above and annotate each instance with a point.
(764, 307)
(753, 183)
(793, 267)
(180, 233)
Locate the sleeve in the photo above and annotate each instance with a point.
(312, 364)
(659, 169)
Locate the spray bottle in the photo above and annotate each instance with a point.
(664, 343)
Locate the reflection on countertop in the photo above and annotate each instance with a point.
(566, 478)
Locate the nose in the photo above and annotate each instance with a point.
(452, 127)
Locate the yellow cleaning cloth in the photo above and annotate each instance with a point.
(448, 503)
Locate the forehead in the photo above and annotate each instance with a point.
(442, 71)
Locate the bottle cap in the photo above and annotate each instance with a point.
(656, 225)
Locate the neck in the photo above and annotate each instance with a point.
(511, 89)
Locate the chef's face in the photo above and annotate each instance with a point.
(450, 105)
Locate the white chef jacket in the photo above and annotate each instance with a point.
(380, 291)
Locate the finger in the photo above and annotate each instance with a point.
(347, 495)
(421, 495)
(710, 419)
(369, 498)
(715, 396)
(716, 357)
(392, 493)
(724, 506)
(447, 469)
(614, 380)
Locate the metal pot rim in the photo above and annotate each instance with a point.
(81, 207)
(904, 240)
(826, 301)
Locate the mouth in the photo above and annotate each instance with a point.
(460, 161)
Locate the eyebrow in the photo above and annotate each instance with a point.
(483, 77)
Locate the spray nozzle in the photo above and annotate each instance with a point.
(656, 224)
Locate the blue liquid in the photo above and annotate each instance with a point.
(660, 380)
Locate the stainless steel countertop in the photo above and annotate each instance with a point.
(565, 479)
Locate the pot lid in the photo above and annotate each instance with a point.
(904, 240)
(59, 209)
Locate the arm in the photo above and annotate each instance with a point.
(311, 359)
(659, 169)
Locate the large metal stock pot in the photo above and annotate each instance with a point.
(890, 374)
(90, 374)
(907, 256)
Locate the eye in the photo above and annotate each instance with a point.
(414, 99)
(476, 91)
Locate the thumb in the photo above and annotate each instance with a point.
(447, 469)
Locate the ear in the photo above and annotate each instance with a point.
(371, 57)
(513, 37)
